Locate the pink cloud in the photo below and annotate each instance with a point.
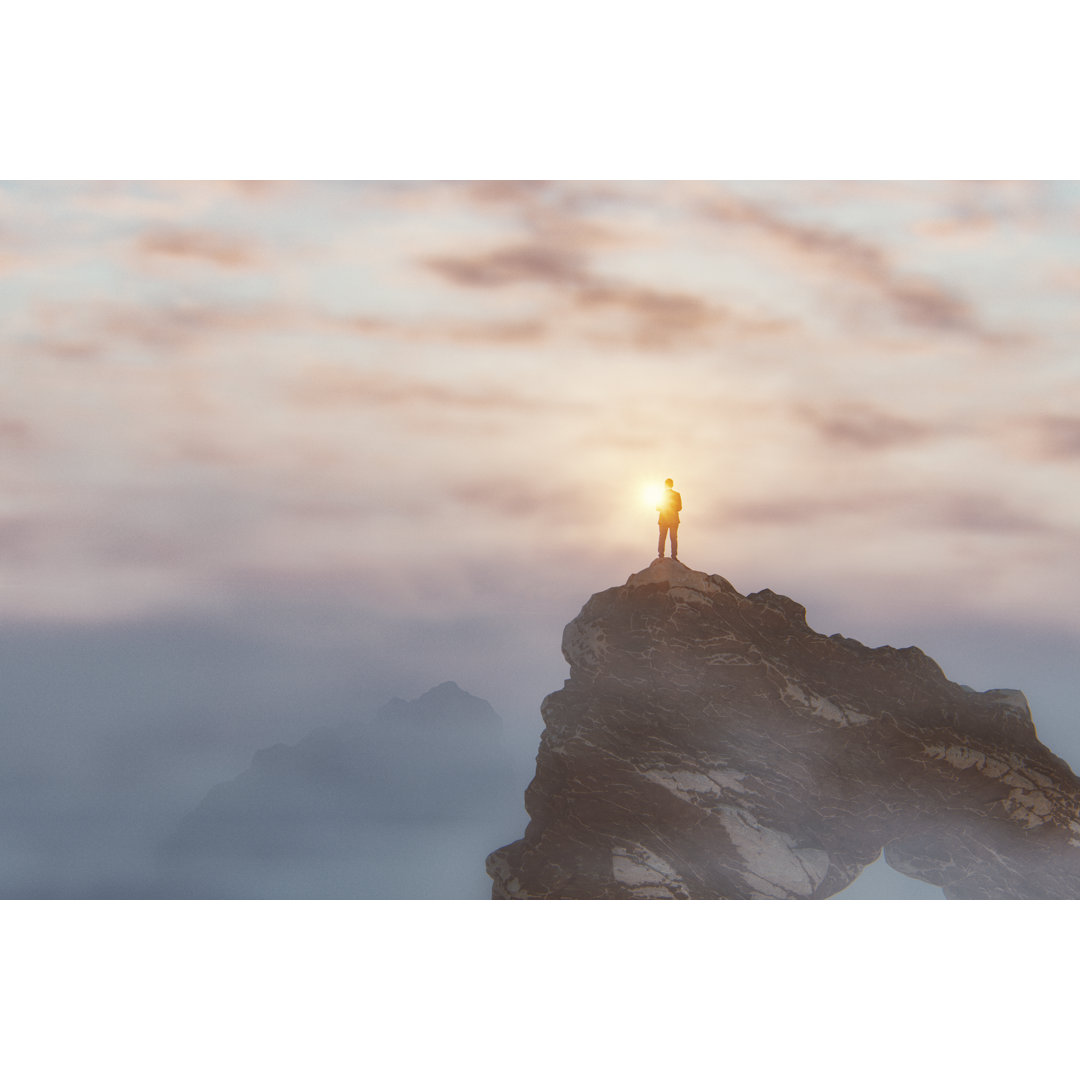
(656, 318)
(178, 326)
(15, 434)
(659, 318)
(332, 387)
(862, 425)
(519, 498)
(913, 299)
(1047, 436)
(502, 191)
(520, 332)
(948, 511)
(509, 266)
(198, 244)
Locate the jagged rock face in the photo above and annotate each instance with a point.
(710, 745)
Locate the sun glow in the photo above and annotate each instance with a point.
(651, 495)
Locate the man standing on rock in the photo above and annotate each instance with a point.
(669, 506)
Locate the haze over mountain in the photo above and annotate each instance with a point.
(401, 806)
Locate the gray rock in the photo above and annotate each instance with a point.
(710, 745)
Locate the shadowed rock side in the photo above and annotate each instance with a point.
(710, 745)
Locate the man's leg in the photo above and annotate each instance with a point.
(674, 541)
(663, 540)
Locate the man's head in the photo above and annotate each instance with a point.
(669, 482)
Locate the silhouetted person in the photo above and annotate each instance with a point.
(669, 506)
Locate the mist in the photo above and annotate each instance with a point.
(113, 734)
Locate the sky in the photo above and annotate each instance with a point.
(441, 400)
(275, 452)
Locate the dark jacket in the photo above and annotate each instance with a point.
(669, 506)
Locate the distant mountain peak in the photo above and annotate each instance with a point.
(447, 691)
(363, 809)
(443, 705)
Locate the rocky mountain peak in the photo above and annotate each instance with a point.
(712, 745)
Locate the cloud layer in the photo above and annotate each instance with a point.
(212, 383)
